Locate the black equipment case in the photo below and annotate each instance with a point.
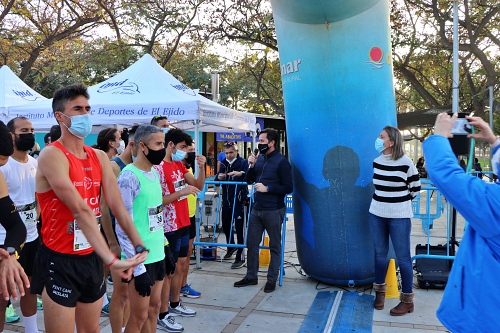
(433, 273)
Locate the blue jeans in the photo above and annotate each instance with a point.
(399, 229)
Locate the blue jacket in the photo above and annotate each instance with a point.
(229, 191)
(471, 298)
(274, 171)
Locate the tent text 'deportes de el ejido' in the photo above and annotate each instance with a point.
(140, 92)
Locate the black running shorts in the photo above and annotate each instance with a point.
(192, 227)
(156, 270)
(28, 254)
(184, 237)
(68, 278)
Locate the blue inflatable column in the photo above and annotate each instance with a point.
(338, 88)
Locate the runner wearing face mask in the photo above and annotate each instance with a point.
(119, 305)
(177, 182)
(109, 141)
(20, 173)
(189, 161)
(68, 267)
(142, 195)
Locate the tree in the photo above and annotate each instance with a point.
(256, 79)
(85, 61)
(422, 43)
(5, 9)
(253, 83)
(192, 64)
(159, 26)
(248, 21)
(36, 26)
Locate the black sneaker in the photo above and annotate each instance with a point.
(270, 287)
(230, 253)
(245, 282)
(238, 264)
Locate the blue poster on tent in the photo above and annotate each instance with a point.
(241, 136)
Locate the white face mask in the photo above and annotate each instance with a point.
(120, 148)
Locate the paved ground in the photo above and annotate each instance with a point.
(223, 308)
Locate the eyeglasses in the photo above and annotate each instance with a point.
(229, 143)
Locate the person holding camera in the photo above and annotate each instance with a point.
(469, 302)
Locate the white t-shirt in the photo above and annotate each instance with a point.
(20, 179)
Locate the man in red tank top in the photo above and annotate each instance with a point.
(68, 270)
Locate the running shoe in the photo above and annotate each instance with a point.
(10, 315)
(181, 310)
(189, 292)
(39, 304)
(168, 324)
(105, 310)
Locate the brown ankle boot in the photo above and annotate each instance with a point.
(379, 295)
(405, 306)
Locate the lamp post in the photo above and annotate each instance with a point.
(455, 106)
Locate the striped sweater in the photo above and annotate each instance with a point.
(396, 184)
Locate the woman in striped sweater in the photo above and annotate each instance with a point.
(396, 183)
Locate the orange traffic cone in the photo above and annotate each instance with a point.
(265, 255)
(391, 281)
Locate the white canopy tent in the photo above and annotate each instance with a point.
(142, 91)
(14, 92)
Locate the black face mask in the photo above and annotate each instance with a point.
(263, 147)
(190, 159)
(25, 141)
(155, 156)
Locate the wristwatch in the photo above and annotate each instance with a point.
(140, 249)
(12, 251)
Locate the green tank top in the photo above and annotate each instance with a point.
(148, 214)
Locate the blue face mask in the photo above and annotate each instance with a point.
(379, 145)
(133, 158)
(81, 125)
(165, 130)
(179, 155)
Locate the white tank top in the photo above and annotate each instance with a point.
(20, 179)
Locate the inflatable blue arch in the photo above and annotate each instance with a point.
(338, 89)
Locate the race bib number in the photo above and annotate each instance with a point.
(155, 215)
(80, 242)
(179, 185)
(28, 214)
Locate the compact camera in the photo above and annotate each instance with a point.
(460, 143)
(461, 127)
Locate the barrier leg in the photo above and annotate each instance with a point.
(283, 238)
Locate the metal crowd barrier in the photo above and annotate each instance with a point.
(202, 211)
(429, 215)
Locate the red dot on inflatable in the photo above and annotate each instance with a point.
(376, 54)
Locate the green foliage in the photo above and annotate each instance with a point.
(422, 47)
(50, 43)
